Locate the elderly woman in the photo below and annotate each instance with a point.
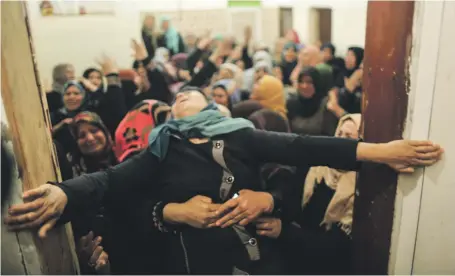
(321, 233)
(216, 157)
(61, 74)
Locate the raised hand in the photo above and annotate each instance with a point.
(204, 43)
(248, 34)
(108, 65)
(88, 84)
(139, 50)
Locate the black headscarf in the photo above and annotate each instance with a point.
(336, 62)
(245, 109)
(288, 67)
(358, 52)
(269, 120)
(307, 107)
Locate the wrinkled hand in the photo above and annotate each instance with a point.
(107, 64)
(245, 208)
(198, 212)
(268, 226)
(139, 50)
(42, 208)
(403, 155)
(91, 253)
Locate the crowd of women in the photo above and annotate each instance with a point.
(198, 160)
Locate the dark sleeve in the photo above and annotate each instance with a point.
(204, 75)
(330, 123)
(339, 81)
(145, 62)
(246, 58)
(161, 41)
(192, 59)
(318, 243)
(181, 45)
(112, 108)
(87, 192)
(147, 39)
(159, 89)
(280, 184)
(65, 167)
(294, 150)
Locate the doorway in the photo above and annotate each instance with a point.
(285, 21)
(320, 25)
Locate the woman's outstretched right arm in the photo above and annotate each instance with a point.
(49, 203)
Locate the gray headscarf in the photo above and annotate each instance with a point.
(59, 76)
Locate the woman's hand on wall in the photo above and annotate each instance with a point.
(269, 227)
(401, 155)
(42, 208)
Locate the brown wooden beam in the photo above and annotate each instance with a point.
(385, 84)
(29, 124)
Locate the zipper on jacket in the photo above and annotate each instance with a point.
(185, 253)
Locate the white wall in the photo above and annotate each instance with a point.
(422, 238)
(348, 21)
(80, 40)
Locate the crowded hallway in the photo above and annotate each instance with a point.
(208, 154)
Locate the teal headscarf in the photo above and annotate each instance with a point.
(172, 36)
(206, 124)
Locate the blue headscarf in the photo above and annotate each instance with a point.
(206, 124)
(172, 36)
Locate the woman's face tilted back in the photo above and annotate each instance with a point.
(73, 97)
(91, 140)
(188, 103)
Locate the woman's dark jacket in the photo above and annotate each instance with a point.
(192, 250)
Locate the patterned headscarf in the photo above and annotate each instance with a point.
(87, 164)
(132, 133)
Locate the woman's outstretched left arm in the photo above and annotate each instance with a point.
(338, 153)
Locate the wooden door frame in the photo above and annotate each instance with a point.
(386, 85)
(25, 106)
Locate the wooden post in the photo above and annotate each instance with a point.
(385, 84)
(28, 120)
